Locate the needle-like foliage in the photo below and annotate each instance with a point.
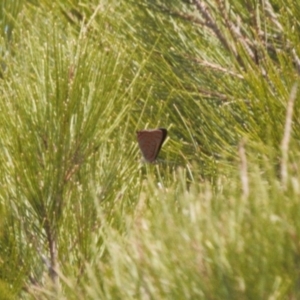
(217, 217)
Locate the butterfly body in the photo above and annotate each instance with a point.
(150, 142)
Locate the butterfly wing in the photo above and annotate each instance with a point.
(150, 142)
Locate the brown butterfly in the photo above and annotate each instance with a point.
(150, 142)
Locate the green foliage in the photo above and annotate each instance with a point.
(81, 218)
(191, 243)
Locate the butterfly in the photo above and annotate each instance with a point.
(150, 142)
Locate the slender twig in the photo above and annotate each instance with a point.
(210, 23)
(212, 94)
(183, 16)
(236, 31)
(287, 135)
(51, 236)
(217, 68)
(208, 93)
